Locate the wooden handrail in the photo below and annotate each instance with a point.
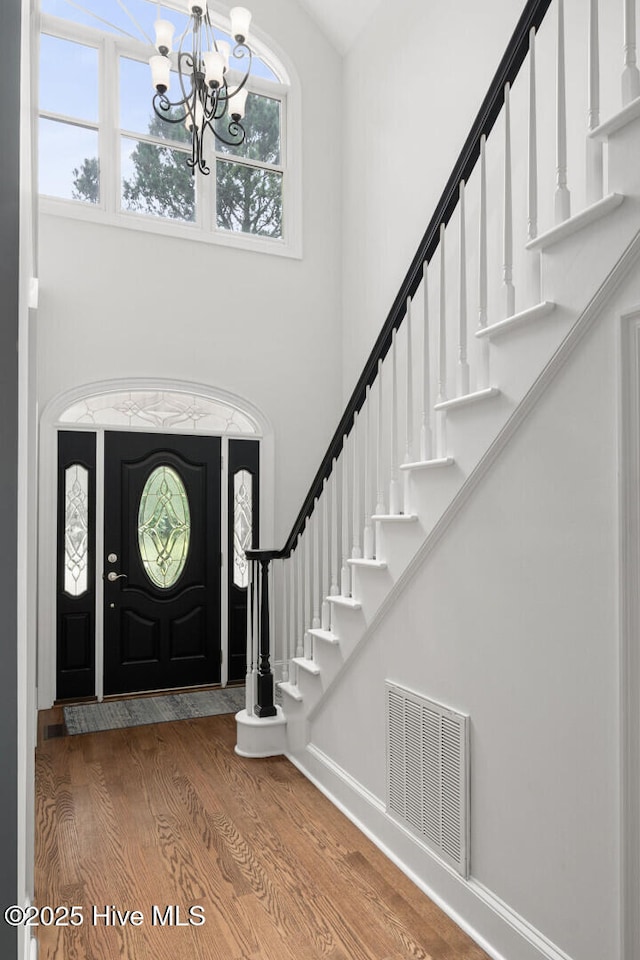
(508, 69)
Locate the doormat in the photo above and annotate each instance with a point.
(115, 714)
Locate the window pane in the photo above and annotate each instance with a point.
(262, 126)
(145, 13)
(136, 110)
(164, 526)
(61, 63)
(157, 181)
(68, 164)
(249, 200)
(242, 523)
(76, 529)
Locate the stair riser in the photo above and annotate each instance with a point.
(371, 587)
(398, 543)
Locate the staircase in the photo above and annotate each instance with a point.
(516, 267)
(441, 396)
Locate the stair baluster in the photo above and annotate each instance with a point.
(532, 173)
(483, 276)
(345, 579)
(630, 75)
(442, 352)
(315, 518)
(308, 587)
(394, 485)
(508, 289)
(563, 196)
(408, 449)
(426, 443)
(325, 612)
(356, 550)
(463, 365)
(368, 546)
(595, 181)
(380, 507)
(334, 589)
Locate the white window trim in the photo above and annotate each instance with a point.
(203, 229)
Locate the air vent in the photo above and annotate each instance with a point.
(428, 773)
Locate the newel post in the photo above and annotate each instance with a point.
(264, 702)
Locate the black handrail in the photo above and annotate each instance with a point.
(531, 18)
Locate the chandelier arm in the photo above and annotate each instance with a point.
(162, 105)
(234, 129)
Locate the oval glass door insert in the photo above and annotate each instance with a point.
(164, 526)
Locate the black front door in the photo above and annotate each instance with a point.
(161, 562)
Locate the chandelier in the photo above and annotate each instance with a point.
(205, 101)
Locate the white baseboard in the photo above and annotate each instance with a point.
(490, 922)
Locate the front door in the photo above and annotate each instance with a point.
(162, 561)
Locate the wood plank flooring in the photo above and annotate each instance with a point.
(170, 815)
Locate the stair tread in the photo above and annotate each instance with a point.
(428, 464)
(617, 121)
(396, 517)
(568, 227)
(536, 312)
(327, 635)
(305, 664)
(467, 399)
(346, 602)
(290, 689)
(370, 564)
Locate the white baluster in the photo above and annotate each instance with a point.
(308, 599)
(463, 365)
(426, 444)
(595, 175)
(335, 535)
(345, 579)
(325, 615)
(532, 172)
(630, 75)
(483, 276)
(408, 446)
(300, 597)
(368, 539)
(291, 570)
(508, 290)
(380, 507)
(286, 626)
(394, 486)
(563, 196)
(356, 550)
(315, 623)
(442, 352)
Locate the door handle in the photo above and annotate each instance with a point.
(112, 576)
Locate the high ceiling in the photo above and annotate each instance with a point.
(341, 20)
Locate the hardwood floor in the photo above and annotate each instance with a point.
(170, 815)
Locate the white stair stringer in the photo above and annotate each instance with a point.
(478, 434)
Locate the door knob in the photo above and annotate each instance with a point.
(112, 576)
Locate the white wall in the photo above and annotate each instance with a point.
(118, 302)
(513, 618)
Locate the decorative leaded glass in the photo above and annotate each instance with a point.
(164, 526)
(242, 521)
(76, 529)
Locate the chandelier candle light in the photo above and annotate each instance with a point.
(207, 101)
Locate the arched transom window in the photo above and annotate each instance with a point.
(104, 153)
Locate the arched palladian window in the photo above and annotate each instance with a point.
(103, 153)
